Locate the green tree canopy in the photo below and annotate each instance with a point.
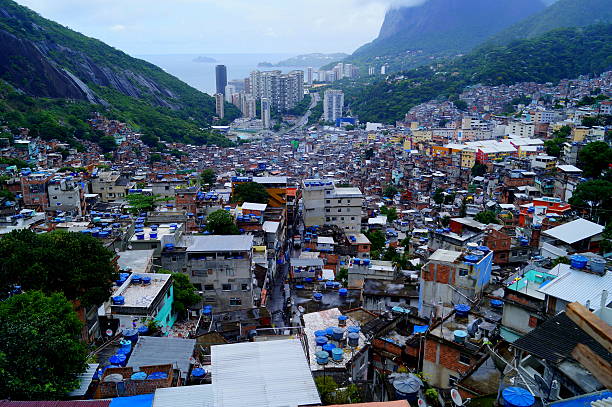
(208, 177)
(107, 143)
(390, 191)
(486, 217)
(143, 203)
(40, 354)
(478, 170)
(221, 222)
(594, 158)
(391, 213)
(185, 294)
(594, 199)
(75, 264)
(377, 240)
(250, 192)
(438, 196)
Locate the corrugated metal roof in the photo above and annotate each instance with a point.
(150, 350)
(87, 403)
(262, 374)
(574, 231)
(186, 396)
(579, 286)
(85, 379)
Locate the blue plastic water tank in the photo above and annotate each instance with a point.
(460, 335)
(497, 303)
(138, 376)
(143, 330)
(322, 357)
(337, 354)
(353, 339)
(470, 258)
(320, 340)
(328, 347)
(131, 335)
(118, 300)
(157, 376)
(343, 292)
(118, 359)
(517, 397)
(598, 265)
(198, 372)
(407, 388)
(353, 329)
(578, 262)
(317, 296)
(462, 310)
(337, 333)
(320, 332)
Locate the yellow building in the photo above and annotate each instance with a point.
(579, 133)
(421, 136)
(468, 157)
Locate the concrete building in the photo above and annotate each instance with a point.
(265, 113)
(326, 204)
(283, 91)
(452, 277)
(218, 266)
(142, 297)
(221, 78)
(230, 90)
(309, 76)
(111, 186)
(66, 195)
(34, 190)
(220, 105)
(333, 105)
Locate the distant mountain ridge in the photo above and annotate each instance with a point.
(315, 60)
(445, 26)
(561, 14)
(45, 59)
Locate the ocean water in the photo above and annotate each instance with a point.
(201, 75)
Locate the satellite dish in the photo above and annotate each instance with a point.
(421, 403)
(109, 332)
(301, 309)
(456, 397)
(117, 250)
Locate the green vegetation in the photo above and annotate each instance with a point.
(486, 217)
(74, 264)
(164, 106)
(302, 107)
(560, 54)
(221, 222)
(185, 294)
(40, 354)
(593, 199)
(15, 161)
(250, 192)
(563, 13)
(208, 177)
(143, 203)
(479, 169)
(594, 158)
(554, 145)
(377, 240)
(391, 213)
(316, 113)
(331, 393)
(560, 260)
(390, 191)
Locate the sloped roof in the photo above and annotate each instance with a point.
(574, 231)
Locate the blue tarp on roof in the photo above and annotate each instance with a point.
(419, 329)
(144, 400)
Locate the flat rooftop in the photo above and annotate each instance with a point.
(321, 320)
(137, 261)
(139, 295)
(218, 243)
(162, 230)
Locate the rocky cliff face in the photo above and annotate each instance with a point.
(447, 25)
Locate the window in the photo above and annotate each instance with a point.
(352, 218)
(334, 218)
(198, 273)
(226, 287)
(463, 272)
(533, 321)
(464, 358)
(327, 210)
(209, 287)
(339, 200)
(173, 258)
(210, 300)
(54, 197)
(244, 287)
(339, 210)
(210, 272)
(327, 201)
(235, 301)
(327, 219)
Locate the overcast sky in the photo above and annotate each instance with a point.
(222, 26)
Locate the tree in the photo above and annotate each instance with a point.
(250, 192)
(75, 264)
(606, 243)
(486, 217)
(460, 104)
(143, 203)
(40, 354)
(594, 158)
(185, 294)
(390, 213)
(377, 240)
(445, 221)
(107, 143)
(560, 260)
(390, 191)
(221, 222)
(438, 196)
(208, 177)
(332, 394)
(594, 198)
(479, 169)
(342, 276)
(155, 158)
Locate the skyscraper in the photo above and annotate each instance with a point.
(333, 103)
(309, 77)
(283, 91)
(219, 105)
(265, 113)
(229, 91)
(221, 76)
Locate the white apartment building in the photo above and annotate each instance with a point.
(326, 204)
(521, 129)
(283, 91)
(265, 113)
(333, 104)
(220, 105)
